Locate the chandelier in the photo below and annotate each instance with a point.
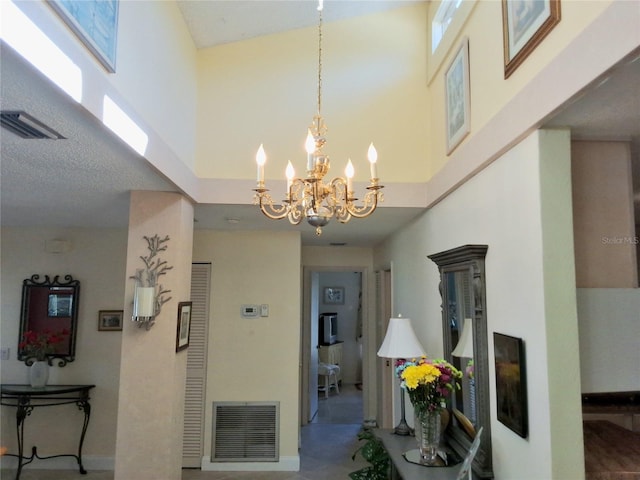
(311, 198)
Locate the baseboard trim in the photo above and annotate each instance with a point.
(90, 462)
(285, 464)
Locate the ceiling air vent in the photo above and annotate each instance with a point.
(25, 126)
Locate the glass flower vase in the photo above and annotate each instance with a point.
(427, 431)
(39, 374)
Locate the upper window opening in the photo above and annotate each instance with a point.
(441, 21)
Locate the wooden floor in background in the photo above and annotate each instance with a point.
(611, 452)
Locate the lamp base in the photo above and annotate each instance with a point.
(403, 429)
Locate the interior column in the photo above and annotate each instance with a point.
(152, 374)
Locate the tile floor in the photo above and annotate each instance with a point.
(327, 446)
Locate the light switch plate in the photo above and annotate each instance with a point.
(4, 353)
(264, 310)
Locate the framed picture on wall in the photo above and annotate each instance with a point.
(110, 320)
(525, 23)
(184, 325)
(511, 383)
(456, 82)
(333, 295)
(95, 23)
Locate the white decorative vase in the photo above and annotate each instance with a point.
(39, 374)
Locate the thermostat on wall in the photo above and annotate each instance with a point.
(250, 311)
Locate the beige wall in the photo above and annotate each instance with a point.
(97, 259)
(265, 91)
(604, 226)
(152, 373)
(490, 92)
(254, 359)
(507, 218)
(146, 66)
(609, 331)
(520, 262)
(158, 76)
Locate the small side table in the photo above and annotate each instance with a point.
(25, 398)
(396, 445)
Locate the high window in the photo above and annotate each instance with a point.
(441, 21)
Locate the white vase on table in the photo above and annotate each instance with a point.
(39, 374)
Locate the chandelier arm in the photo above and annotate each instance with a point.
(340, 195)
(369, 204)
(267, 207)
(295, 216)
(296, 194)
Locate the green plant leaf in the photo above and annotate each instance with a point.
(373, 452)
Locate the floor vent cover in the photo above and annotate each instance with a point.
(245, 432)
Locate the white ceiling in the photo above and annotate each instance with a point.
(84, 181)
(214, 22)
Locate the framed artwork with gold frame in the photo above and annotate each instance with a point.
(525, 23)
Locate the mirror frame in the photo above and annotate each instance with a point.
(34, 282)
(470, 258)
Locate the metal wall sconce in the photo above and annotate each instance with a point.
(149, 295)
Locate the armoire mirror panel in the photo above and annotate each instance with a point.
(464, 329)
(50, 306)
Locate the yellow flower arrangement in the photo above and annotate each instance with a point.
(420, 374)
(428, 382)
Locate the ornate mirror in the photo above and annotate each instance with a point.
(49, 319)
(464, 328)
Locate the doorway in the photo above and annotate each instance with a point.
(349, 306)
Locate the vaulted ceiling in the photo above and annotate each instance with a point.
(84, 181)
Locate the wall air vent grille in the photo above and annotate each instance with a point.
(245, 432)
(25, 126)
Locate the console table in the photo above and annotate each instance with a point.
(25, 398)
(397, 445)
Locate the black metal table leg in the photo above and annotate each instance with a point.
(25, 398)
(23, 410)
(86, 408)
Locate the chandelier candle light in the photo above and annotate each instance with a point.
(311, 198)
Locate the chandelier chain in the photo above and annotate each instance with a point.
(319, 58)
(310, 197)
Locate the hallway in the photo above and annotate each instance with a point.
(327, 446)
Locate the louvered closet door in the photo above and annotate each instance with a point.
(193, 437)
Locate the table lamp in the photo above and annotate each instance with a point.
(464, 349)
(400, 341)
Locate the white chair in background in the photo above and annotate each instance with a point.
(330, 376)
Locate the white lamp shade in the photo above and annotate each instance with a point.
(400, 340)
(144, 301)
(464, 348)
